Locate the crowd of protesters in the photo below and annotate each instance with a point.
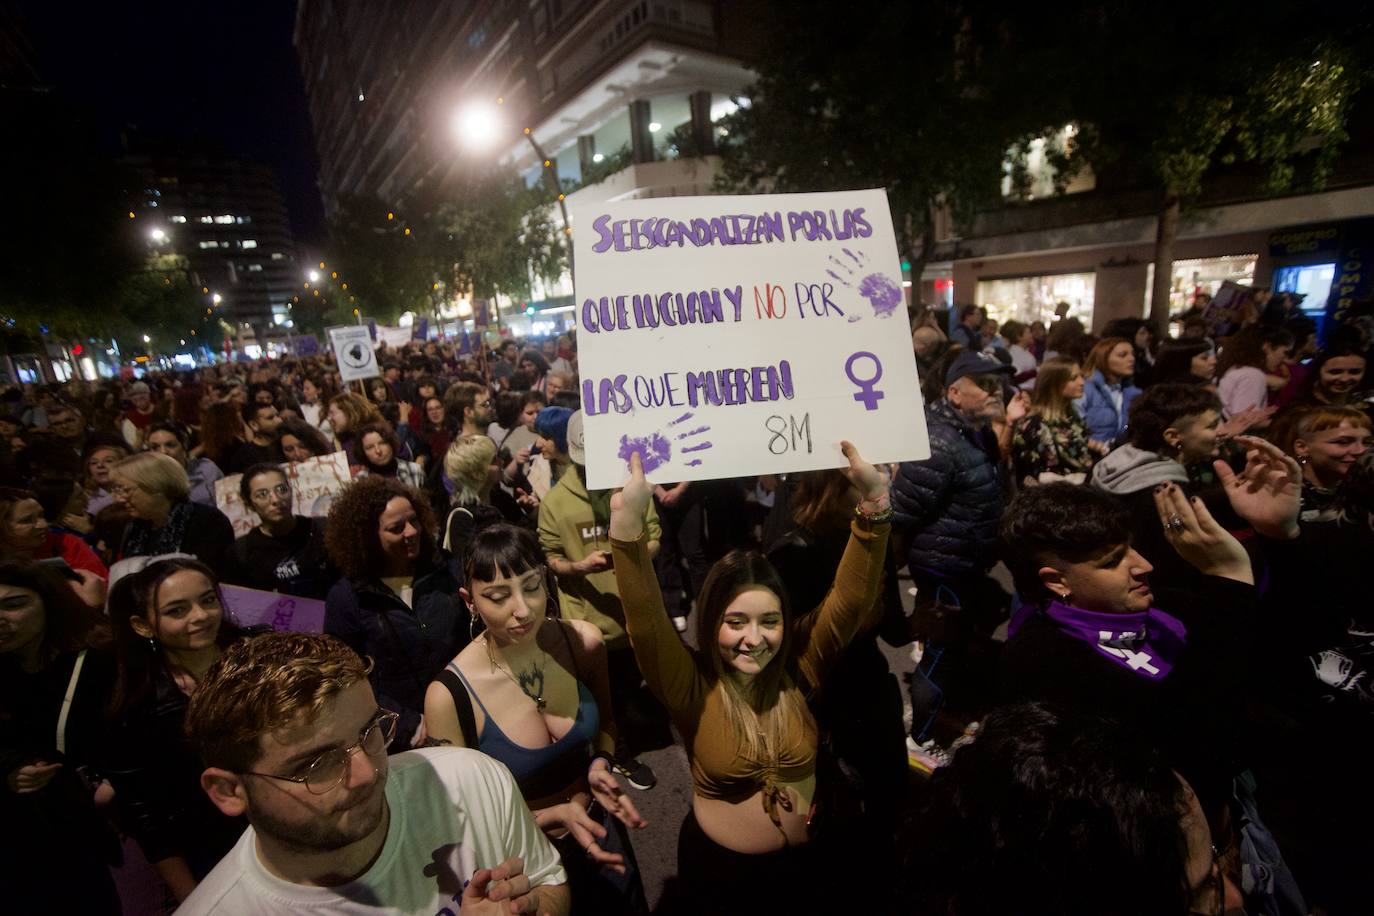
(1143, 650)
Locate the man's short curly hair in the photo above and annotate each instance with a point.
(351, 532)
(264, 683)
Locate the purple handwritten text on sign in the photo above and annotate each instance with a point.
(252, 607)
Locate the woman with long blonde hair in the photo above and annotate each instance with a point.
(1052, 442)
(740, 699)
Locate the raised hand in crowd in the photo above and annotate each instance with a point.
(1267, 492)
(1194, 533)
(1244, 421)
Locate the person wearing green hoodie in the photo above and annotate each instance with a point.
(572, 532)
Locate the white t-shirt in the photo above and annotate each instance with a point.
(453, 811)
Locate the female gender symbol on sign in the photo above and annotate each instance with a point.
(869, 395)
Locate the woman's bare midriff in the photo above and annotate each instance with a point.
(744, 826)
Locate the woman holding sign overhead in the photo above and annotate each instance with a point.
(170, 626)
(740, 699)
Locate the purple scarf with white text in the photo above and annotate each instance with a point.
(1147, 644)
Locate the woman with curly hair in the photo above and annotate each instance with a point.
(397, 602)
(348, 413)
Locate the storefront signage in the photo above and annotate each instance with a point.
(1289, 243)
(732, 336)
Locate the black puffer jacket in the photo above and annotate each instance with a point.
(951, 502)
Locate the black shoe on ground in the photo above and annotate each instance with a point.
(637, 773)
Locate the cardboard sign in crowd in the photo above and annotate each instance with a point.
(733, 336)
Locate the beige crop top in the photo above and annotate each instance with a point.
(719, 768)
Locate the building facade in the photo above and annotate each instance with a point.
(228, 219)
(618, 97)
(1094, 247)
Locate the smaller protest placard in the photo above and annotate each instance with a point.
(353, 346)
(314, 484)
(394, 338)
(252, 607)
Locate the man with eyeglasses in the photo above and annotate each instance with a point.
(286, 552)
(68, 426)
(946, 509)
(293, 739)
(473, 405)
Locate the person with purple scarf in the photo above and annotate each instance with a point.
(1169, 665)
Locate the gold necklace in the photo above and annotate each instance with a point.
(524, 681)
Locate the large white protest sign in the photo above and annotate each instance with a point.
(731, 336)
(353, 346)
(314, 484)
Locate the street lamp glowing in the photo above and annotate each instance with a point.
(476, 124)
(147, 339)
(157, 235)
(314, 276)
(216, 298)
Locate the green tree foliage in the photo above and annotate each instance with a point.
(158, 299)
(498, 236)
(1271, 85)
(873, 94)
(390, 259)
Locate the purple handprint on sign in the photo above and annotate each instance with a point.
(656, 450)
(879, 289)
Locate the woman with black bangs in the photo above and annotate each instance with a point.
(533, 692)
(170, 626)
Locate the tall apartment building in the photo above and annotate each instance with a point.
(629, 87)
(228, 219)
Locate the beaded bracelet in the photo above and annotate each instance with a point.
(873, 518)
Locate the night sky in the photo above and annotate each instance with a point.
(214, 75)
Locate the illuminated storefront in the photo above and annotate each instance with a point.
(1194, 275)
(1030, 299)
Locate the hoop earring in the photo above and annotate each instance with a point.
(1302, 460)
(472, 625)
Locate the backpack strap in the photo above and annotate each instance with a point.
(462, 704)
(448, 523)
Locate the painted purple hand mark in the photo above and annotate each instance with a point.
(880, 291)
(656, 450)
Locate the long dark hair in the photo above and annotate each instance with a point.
(758, 716)
(139, 659)
(70, 624)
(1174, 362)
(1043, 813)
